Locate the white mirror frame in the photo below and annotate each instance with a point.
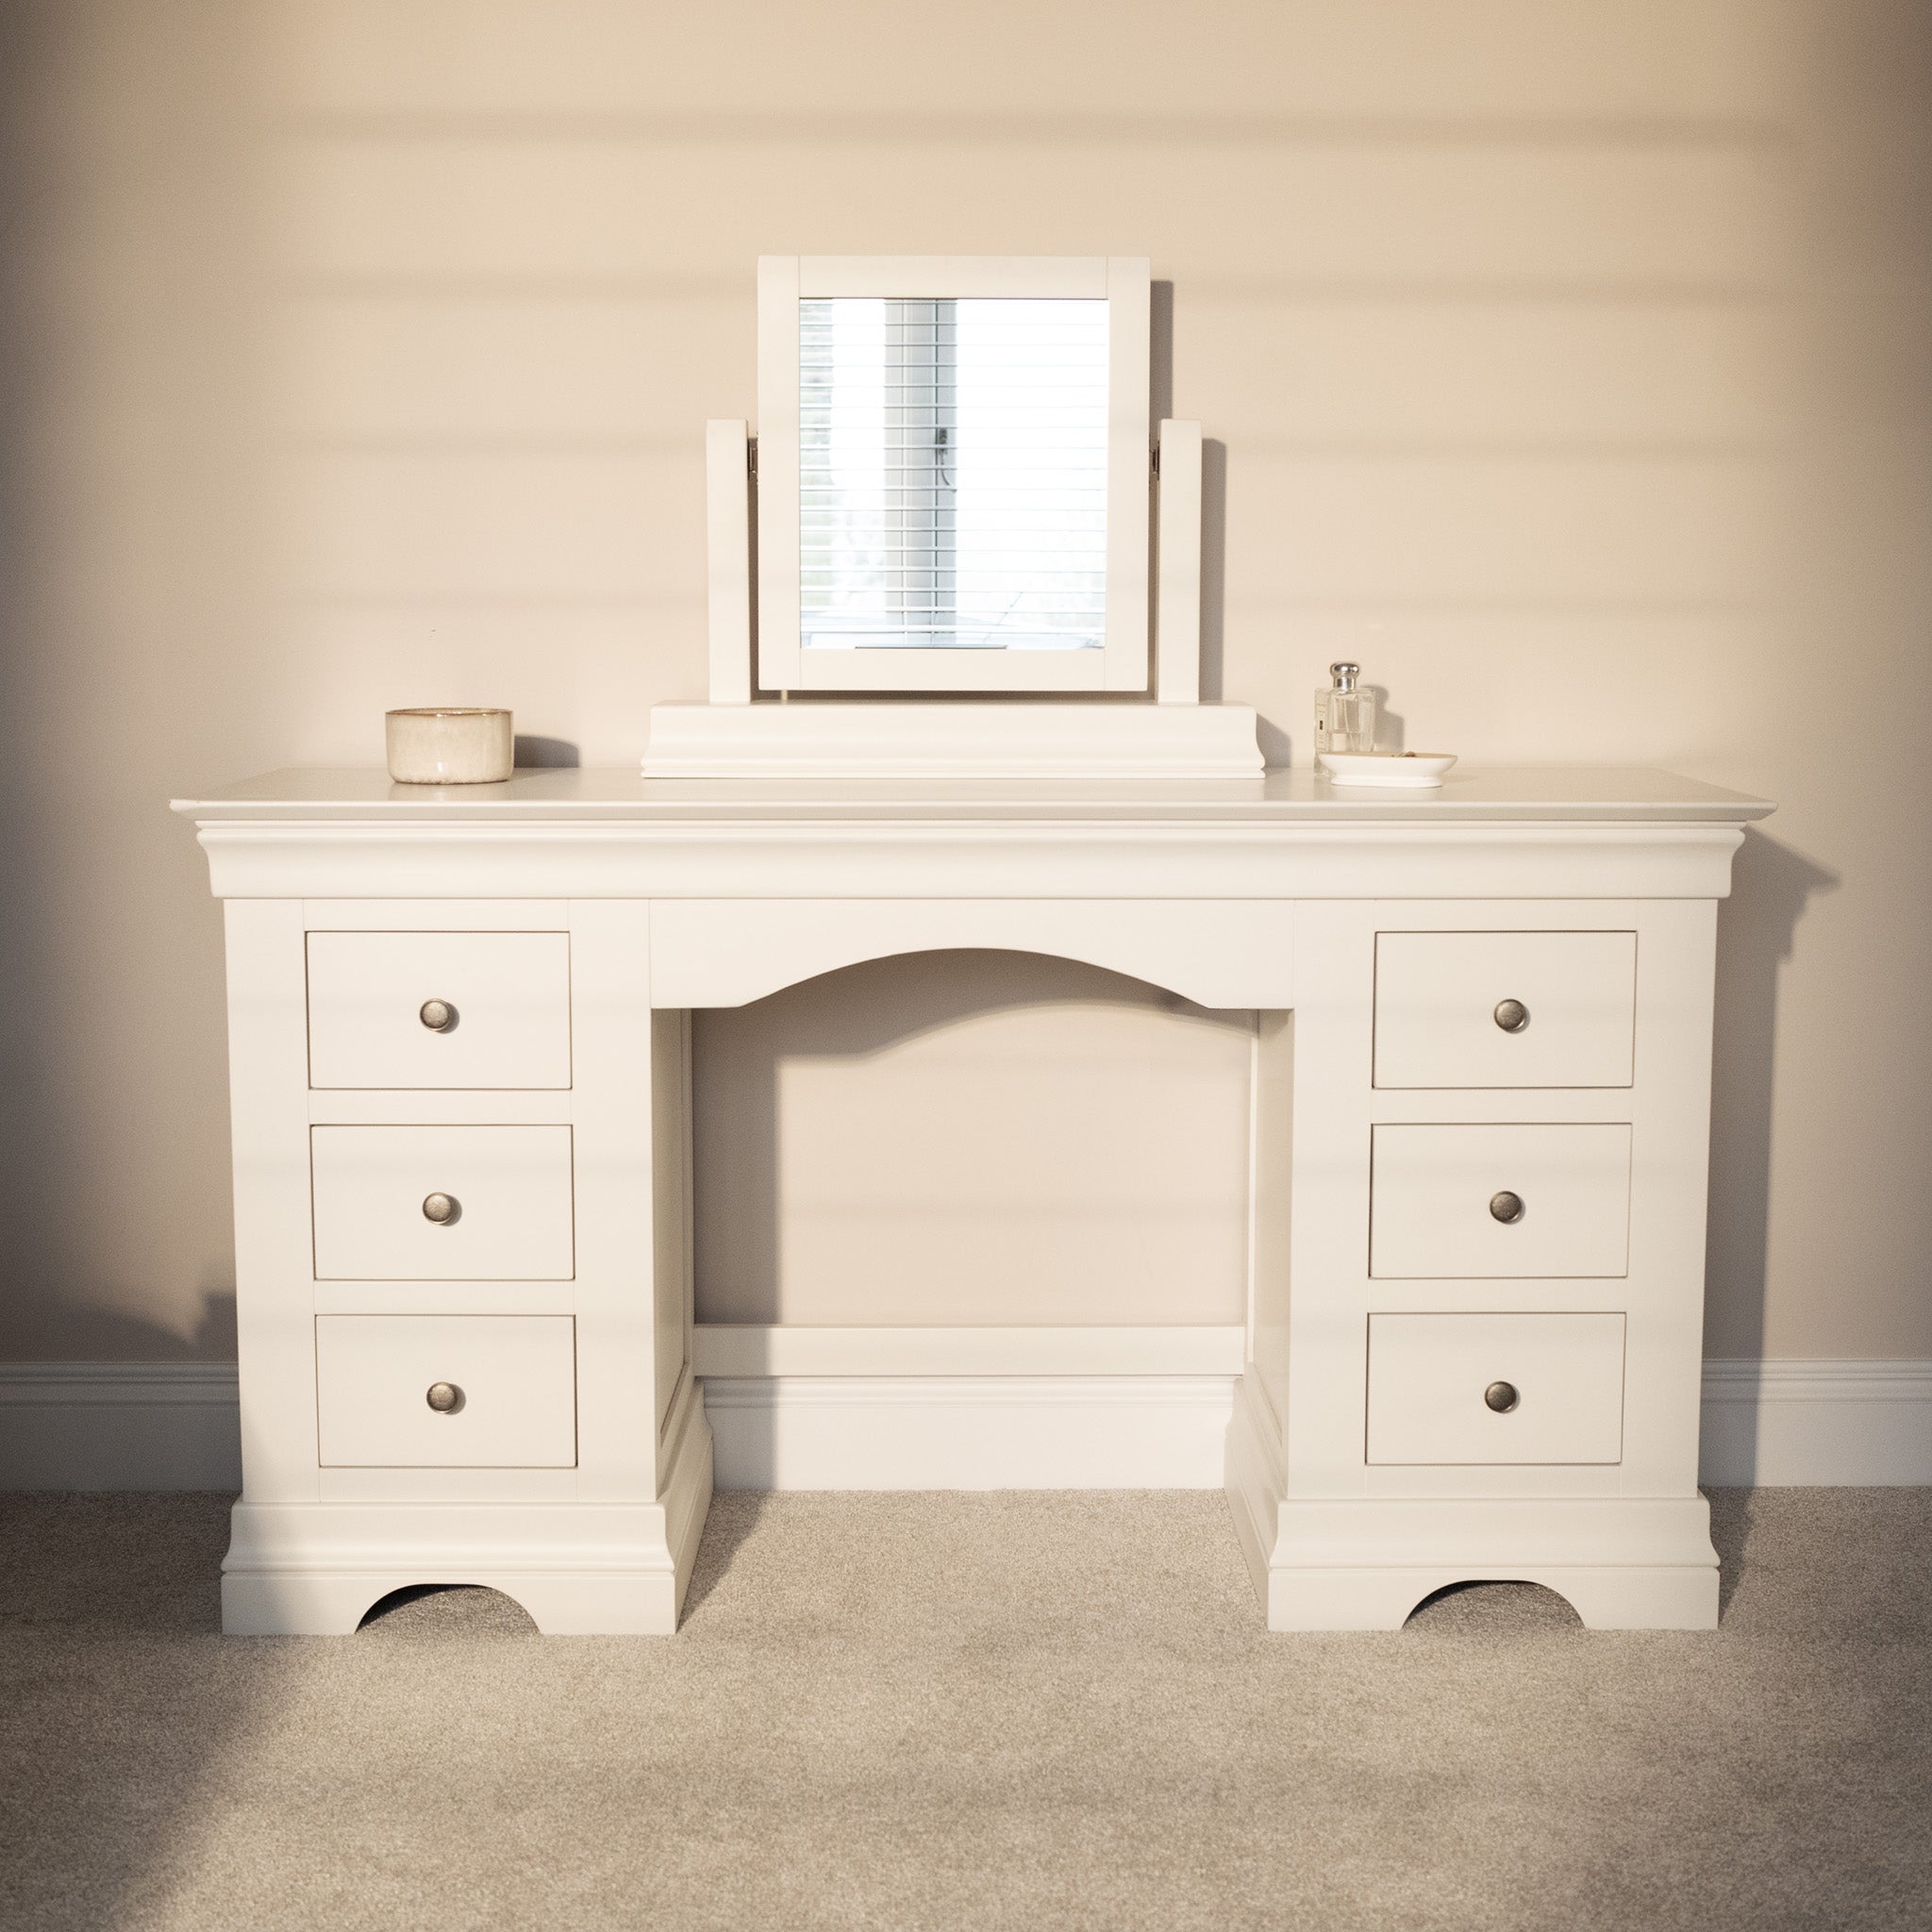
(1123, 282)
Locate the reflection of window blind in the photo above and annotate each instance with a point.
(952, 473)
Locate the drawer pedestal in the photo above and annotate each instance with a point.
(1477, 1350)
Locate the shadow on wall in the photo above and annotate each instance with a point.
(547, 755)
(94, 1333)
(134, 659)
(1213, 513)
(1770, 887)
(1214, 590)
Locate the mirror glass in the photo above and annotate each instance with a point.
(952, 473)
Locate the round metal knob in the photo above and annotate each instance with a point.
(441, 1208)
(445, 1398)
(439, 1016)
(1505, 1207)
(1501, 1396)
(1512, 1016)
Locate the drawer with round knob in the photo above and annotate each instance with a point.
(1495, 1389)
(446, 1391)
(439, 1010)
(442, 1204)
(1505, 1009)
(1469, 1199)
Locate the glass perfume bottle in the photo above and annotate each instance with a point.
(1344, 713)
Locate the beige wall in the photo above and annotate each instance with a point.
(972, 1136)
(1569, 362)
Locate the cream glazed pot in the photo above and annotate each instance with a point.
(450, 745)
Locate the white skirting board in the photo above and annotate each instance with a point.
(172, 1426)
(1801, 1423)
(970, 1432)
(119, 1425)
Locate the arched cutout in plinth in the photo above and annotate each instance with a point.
(470, 1609)
(1493, 1605)
(979, 1136)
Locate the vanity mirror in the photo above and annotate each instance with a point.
(952, 473)
(970, 554)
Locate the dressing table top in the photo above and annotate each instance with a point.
(1496, 794)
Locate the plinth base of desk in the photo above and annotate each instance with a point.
(579, 1569)
(1365, 1563)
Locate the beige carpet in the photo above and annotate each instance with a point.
(960, 1710)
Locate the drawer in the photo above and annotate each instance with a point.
(1435, 1209)
(507, 994)
(512, 1378)
(1437, 996)
(509, 1190)
(1429, 1378)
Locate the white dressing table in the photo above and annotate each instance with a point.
(458, 1045)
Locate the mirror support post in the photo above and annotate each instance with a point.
(728, 531)
(1177, 564)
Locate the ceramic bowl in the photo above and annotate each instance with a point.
(1413, 771)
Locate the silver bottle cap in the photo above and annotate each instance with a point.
(1344, 675)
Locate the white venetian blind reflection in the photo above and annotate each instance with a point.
(952, 473)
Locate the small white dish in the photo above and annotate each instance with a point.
(1410, 770)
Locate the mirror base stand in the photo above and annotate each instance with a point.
(818, 738)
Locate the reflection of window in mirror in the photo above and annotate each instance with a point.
(952, 484)
(952, 473)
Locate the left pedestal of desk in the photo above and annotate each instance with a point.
(462, 1263)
